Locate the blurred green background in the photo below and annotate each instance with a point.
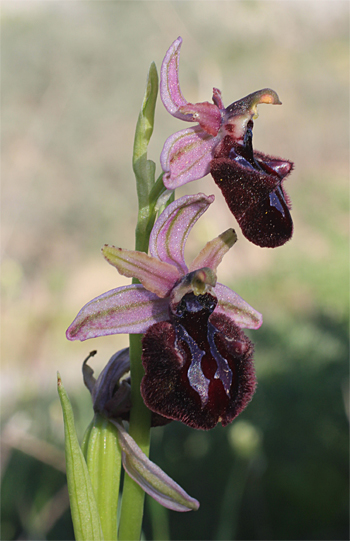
(73, 77)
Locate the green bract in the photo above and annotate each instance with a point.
(85, 516)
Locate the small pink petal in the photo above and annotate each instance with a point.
(186, 156)
(217, 98)
(206, 114)
(170, 232)
(237, 309)
(129, 309)
(170, 91)
(213, 252)
(156, 276)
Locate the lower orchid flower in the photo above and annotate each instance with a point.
(197, 360)
(199, 365)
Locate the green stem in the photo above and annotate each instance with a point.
(159, 520)
(148, 192)
(140, 416)
(140, 423)
(147, 216)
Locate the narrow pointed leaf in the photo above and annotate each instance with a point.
(236, 308)
(151, 478)
(156, 276)
(213, 252)
(170, 232)
(128, 309)
(145, 169)
(86, 520)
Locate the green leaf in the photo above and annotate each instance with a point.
(145, 169)
(86, 520)
(103, 458)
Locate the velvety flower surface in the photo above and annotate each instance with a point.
(251, 183)
(199, 365)
(134, 308)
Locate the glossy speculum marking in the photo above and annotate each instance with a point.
(199, 366)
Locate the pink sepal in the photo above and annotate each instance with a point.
(170, 91)
(129, 309)
(150, 477)
(237, 309)
(213, 252)
(186, 156)
(156, 276)
(170, 232)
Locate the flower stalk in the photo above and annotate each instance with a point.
(148, 192)
(188, 357)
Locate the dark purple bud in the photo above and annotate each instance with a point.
(251, 183)
(198, 366)
(111, 395)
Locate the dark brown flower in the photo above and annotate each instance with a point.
(251, 183)
(199, 365)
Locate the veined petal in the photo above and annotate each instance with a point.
(150, 477)
(186, 156)
(129, 309)
(213, 252)
(156, 276)
(170, 91)
(236, 308)
(170, 232)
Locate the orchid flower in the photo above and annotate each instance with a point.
(220, 372)
(134, 308)
(251, 182)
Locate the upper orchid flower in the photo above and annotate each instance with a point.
(251, 182)
(199, 364)
(187, 154)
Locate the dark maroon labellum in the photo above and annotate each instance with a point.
(251, 183)
(199, 366)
